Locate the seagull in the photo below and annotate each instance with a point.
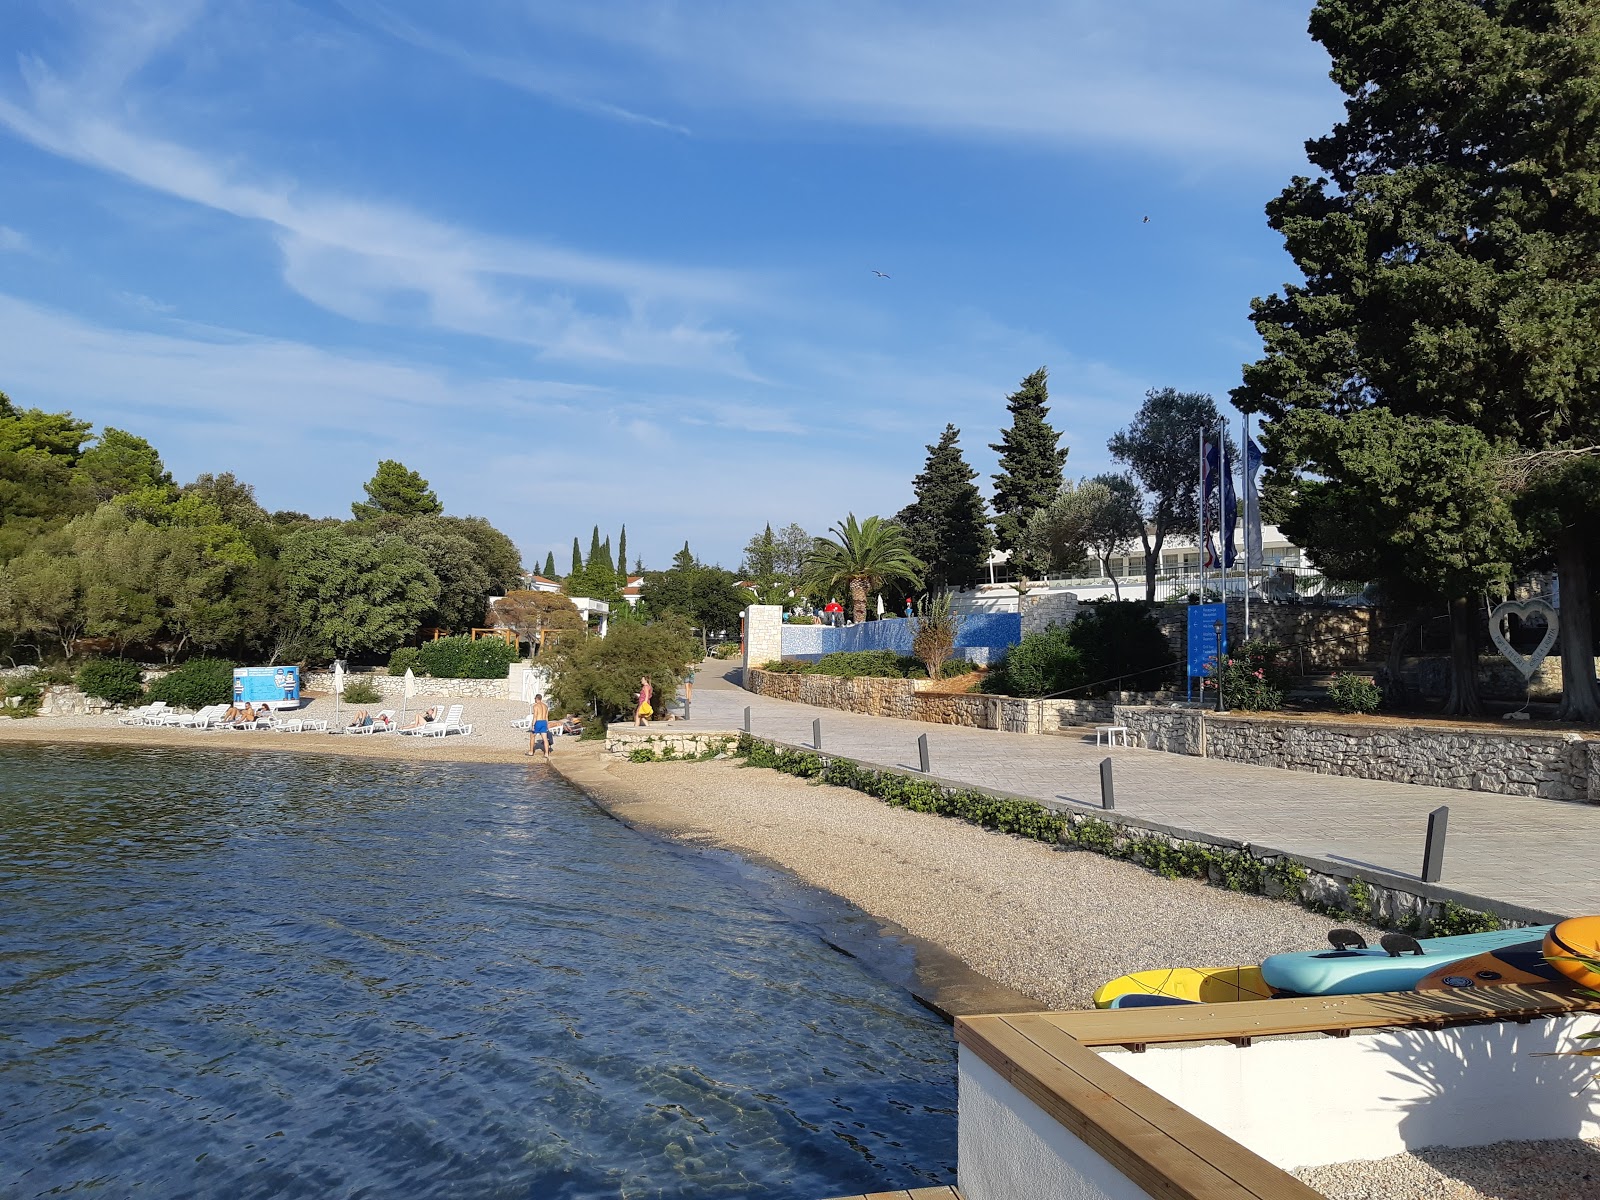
(1147, 220)
(882, 275)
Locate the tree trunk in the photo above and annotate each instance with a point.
(858, 600)
(1464, 700)
(1580, 698)
(1152, 561)
(1116, 584)
(1395, 692)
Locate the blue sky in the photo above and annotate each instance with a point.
(612, 260)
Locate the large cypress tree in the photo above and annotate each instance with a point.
(947, 525)
(577, 560)
(550, 565)
(1030, 460)
(622, 557)
(1450, 249)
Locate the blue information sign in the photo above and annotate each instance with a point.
(276, 686)
(1206, 623)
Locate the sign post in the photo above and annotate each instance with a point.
(1208, 641)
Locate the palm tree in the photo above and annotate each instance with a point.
(862, 558)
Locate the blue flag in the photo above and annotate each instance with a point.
(1230, 510)
(1252, 506)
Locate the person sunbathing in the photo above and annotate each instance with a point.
(362, 720)
(571, 727)
(233, 714)
(426, 717)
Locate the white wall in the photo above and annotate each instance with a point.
(1011, 1149)
(1309, 1101)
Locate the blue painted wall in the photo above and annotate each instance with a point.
(982, 638)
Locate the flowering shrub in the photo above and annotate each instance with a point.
(1253, 678)
(1355, 694)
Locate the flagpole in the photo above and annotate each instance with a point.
(1222, 516)
(1244, 450)
(1202, 515)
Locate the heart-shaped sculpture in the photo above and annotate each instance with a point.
(1526, 663)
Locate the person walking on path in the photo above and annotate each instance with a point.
(539, 731)
(688, 687)
(642, 713)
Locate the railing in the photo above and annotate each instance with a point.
(1271, 585)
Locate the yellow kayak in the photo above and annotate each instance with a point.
(1183, 985)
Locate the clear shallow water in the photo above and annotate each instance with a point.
(274, 975)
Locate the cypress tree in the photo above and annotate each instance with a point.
(948, 524)
(596, 563)
(577, 560)
(622, 557)
(1030, 461)
(550, 565)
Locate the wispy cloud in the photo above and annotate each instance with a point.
(1166, 76)
(13, 241)
(378, 262)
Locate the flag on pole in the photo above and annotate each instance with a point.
(1230, 510)
(1252, 506)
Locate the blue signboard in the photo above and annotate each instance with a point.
(1206, 623)
(276, 686)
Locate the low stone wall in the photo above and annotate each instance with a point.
(1554, 766)
(393, 687)
(909, 700)
(663, 747)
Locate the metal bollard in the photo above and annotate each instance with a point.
(685, 710)
(747, 718)
(1433, 849)
(922, 752)
(816, 734)
(1108, 797)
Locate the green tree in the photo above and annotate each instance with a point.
(355, 593)
(1161, 446)
(709, 598)
(603, 673)
(622, 557)
(395, 490)
(452, 557)
(119, 463)
(1449, 247)
(42, 594)
(947, 526)
(497, 554)
(577, 564)
(1116, 524)
(550, 565)
(1030, 460)
(1059, 536)
(1417, 503)
(860, 559)
(233, 499)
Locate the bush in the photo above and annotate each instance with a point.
(603, 673)
(403, 658)
(594, 730)
(361, 691)
(1043, 662)
(26, 692)
(1121, 646)
(956, 666)
(1355, 694)
(199, 682)
(803, 619)
(1253, 678)
(849, 664)
(725, 650)
(463, 658)
(780, 666)
(113, 679)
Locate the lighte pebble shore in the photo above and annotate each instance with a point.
(1564, 1169)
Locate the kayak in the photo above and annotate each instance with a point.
(1521, 963)
(1182, 985)
(1353, 971)
(1573, 939)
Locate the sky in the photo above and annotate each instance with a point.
(615, 261)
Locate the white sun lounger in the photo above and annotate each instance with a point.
(138, 716)
(382, 722)
(451, 724)
(204, 718)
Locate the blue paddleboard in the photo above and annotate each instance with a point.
(1350, 972)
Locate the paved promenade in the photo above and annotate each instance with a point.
(1542, 854)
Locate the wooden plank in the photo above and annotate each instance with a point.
(927, 1193)
(1254, 1175)
(1125, 1129)
(1318, 1014)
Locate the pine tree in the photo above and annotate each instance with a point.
(683, 560)
(948, 524)
(1030, 460)
(622, 557)
(550, 565)
(396, 490)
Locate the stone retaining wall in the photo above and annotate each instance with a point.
(1338, 637)
(621, 743)
(1555, 766)
(909, 700)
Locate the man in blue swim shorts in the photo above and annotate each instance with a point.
(539, 735)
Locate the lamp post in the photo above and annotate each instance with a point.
(1217, 628)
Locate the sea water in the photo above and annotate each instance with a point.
(253, 975)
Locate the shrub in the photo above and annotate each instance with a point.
(463, 658)
(113, 679)
(1043, 662)
(603, 673)
(26, 692)
(199, 682)
(1253, 678)
(361, 691)
(1355, 694)
(725, 650)
(850, 664)
(956, 666)
(402, 658)
(802, 619)
(780, 666)
(1121, 646)
(55, 673)
(937, 629)
(594, 730)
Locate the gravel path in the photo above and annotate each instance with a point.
(1556, 1170)
(1051, 923)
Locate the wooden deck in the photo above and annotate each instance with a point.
(1165, 1149)
(933, 1193)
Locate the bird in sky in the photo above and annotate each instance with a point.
(882, 275)
(1147, 220)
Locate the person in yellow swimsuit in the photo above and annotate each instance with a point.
(642, 713)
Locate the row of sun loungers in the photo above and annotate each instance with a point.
(212, 717)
